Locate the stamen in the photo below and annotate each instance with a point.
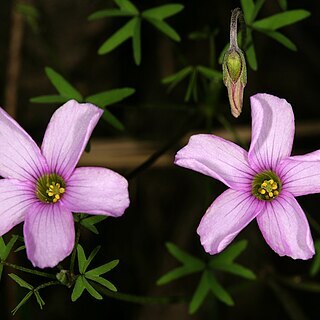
(266, 185)
(50, 188)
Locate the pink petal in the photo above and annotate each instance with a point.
(217, 158)
(48, 234)
(67, 135)
(20, 157)
(285, 228)
(300, 177)
(16, 197)
(226, 217)
(272, 131)
(97, 191)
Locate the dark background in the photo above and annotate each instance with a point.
(167, 202)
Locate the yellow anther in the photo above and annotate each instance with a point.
(50, 194)
(276, 193)
(62, 190)
(262, 191)
(57, 196)
(274, 186)
(270, 194)
(271, 181)
(55, 200)
(58, 185)
(264, 184)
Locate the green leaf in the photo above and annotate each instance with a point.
(20, 281)
(20, 248)
(315, 266)
(282, 19)
(192, 84)
(127, 5)
(106, 98)
(49, 99)
(174, 79)
(102, 269)
(89, 223)
(257, 7)
(248, 9)
(94, 293)
(62, 85)
(184, 257)
(120, 36)
(231, 252)
(164, 28)
(2, 248)
(78, 289)
(111, 119)
(280, 38)
(210, 73)
(163, 12)
(91, 256)
(199, 295)
(283, 4)
(176, 274)
(10, 245)
(234, 269)
(218, 290)
(104, 282)
(40, 301)
(136, 41)
(251, 54)
(22, 302)
(109, 13)
(81, 259)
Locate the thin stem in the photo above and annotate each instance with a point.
(74, 251)
(139, 299)
(38, 273)
(236, 15)
(48, 284)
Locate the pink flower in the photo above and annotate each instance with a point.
(43, 187)
(263, 182)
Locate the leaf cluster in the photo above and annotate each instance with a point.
(208, 281)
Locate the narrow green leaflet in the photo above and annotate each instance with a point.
(176, 274)
(280, 38)
(210, 73)
(109, 13)
(22, 302)
(90, 222)
(127, 5)
(174, 79)
(200, 294)
(136, 41)
(20, 281)
(251, 53)
(49, 99)
(184, 257)
(257, 7)
(234, 268)
(232, 252)
(94, 293)
(111, 119)
(192, 85)
(81, 259)
(315, 266)
(107, 98)
(40, 301)
(77, 289)
(118, 37)
(102, 269)
(218, 290)
(62, 85)
(90, 258)
(282, 19)
(103, 282)
(163, 12)
(283, 4)
(164, 28)
(6, 249)
(248, 9)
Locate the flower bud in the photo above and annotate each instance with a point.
(235, 78)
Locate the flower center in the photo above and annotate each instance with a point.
(266, 186)
(50, 188)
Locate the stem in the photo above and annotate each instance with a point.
(138, 299)
(236, 15)
(74, 251)
(38, 273)
(47, 284)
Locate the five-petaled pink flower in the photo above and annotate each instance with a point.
(43, 187)
(263, 182)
